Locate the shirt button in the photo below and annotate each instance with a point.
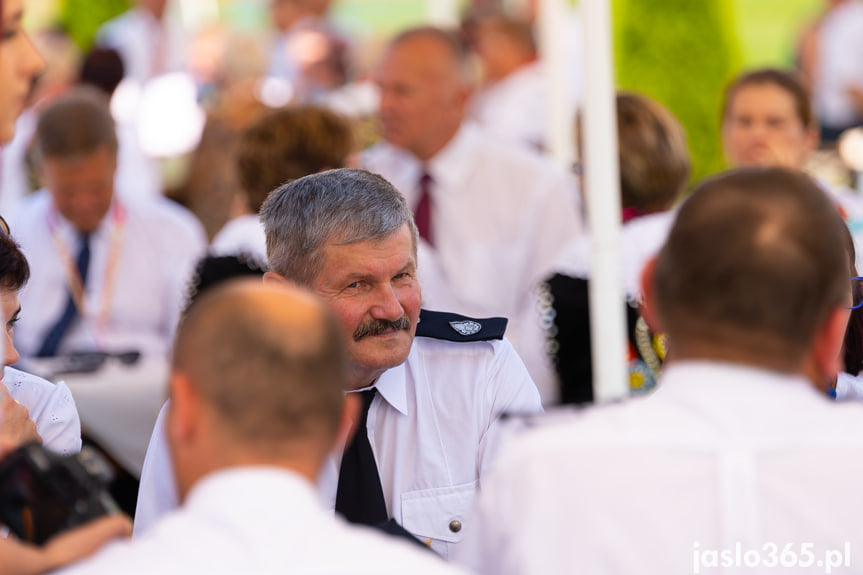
(455, 525)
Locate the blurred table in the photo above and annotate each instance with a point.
(118, 403)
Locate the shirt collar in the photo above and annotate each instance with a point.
(695, 377)
(392, 386)
(451, 165)
(66, 228)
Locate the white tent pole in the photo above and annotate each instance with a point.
(559, 119)
(443, 13)
(608, 321)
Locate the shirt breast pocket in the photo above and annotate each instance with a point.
(438, 516)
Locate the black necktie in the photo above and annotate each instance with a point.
(64, 322)
(360, 497)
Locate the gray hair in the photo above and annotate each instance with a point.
(343, 206)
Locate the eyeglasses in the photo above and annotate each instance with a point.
(4, 227)
(856, 292)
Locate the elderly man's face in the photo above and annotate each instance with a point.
(762, 128)
(373, 289)
(422, 96)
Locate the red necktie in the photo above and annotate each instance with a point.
(422, 213)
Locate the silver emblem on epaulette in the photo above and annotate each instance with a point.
(466, 327)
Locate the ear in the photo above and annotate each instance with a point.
(184, 414)
(272, 278)
(648, 291)
(827, 346)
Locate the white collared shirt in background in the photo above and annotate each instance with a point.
(243, 234)
(500, 216)
(161, 244)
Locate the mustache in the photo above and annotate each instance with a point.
(381, 326)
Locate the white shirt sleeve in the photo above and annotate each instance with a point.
(51, 408)
(157, 495)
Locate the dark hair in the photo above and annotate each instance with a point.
(102, 68)
(213, 270)
(287, 144)
(786, 80)
(755, 262)
(852, 352)
(14, 269)
(77, 123)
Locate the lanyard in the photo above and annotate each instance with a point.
(73, 276)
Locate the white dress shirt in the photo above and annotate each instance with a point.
(840, 34)
(51, 408)
(514, 108)
(434, 428)
(147, 46)
(244, 234)
(160, 245)
(719, 455)
(263, 520)
(500, 216)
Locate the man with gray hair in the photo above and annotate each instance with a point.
(433, 385)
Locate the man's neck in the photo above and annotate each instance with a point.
(426, 152)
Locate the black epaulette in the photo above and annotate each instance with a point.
(455, 327)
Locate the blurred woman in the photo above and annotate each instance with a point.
(19, 65)
(654, 169)
(50, 406)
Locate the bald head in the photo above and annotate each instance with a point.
(754, 265)
(423, 90)
(267, 362)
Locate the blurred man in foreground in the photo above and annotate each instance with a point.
(257, 404)
(739, 445)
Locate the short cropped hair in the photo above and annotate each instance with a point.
(270, 364)
(76, 124)
(786, 80)
(337, 206)
(756, 258)
(654, 157)
(14, 269)
(287, 144)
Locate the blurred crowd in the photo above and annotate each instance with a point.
(163, 161)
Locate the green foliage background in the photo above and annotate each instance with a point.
(681, 53)
(81, 18)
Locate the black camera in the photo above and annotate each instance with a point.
(42, 493)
